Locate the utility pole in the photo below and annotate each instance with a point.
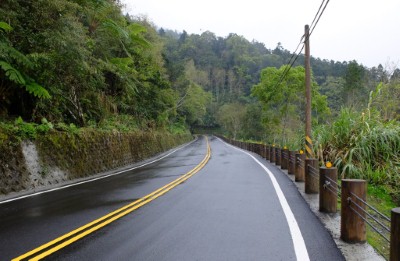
(309, 145)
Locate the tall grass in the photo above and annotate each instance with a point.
(362, 146)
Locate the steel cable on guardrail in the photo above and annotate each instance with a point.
(300, 162)
(313, 171)
(372, 208)
(371, 216)
(292, 159)
(334, 189)
(331, 190)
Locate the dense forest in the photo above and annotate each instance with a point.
(83, 66)
(83, 63)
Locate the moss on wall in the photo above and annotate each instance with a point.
(78, 155)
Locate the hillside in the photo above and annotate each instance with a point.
(83, 62)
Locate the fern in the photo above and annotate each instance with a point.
(12, 73)
(116, 29)
(17, 77)
(135, 31)
(122, 63)
(5, 27)
(37, 90)
(10, 55)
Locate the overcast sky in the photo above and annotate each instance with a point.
(362, 30)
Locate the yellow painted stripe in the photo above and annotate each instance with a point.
(309, 151)
(105, 220)
(308, 139)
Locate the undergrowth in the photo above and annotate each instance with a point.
(378, 197)
(362, 146)
(19, 130)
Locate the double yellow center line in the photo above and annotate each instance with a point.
(73, 236)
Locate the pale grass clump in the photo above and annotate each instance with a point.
(362, 146)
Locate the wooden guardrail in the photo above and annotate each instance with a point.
(355, 212)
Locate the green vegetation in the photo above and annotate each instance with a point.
(378, 197)
(85, 63)
(283, 103)
(80, 68)
(363, 145)
(67, 65)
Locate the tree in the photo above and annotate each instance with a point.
(15, 67)
(395, 75)
(253, 128)
(195, 105)
(332, 88)
(354, 91)
(283, 101)
(386, 100)
(94, 62)
(231, 116)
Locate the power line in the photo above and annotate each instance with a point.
(289, 66)
(312, 29)
(294, 58)
(315, 17)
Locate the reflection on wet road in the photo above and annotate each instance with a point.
(31, 222)
(228, 211)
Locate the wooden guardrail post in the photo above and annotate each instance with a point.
(328, 190)
(278, 156)
(299, 167)
(284, 158)
(267, 149)
(352, 225)
(264, 150)
(272, 154)
(292, 164)
(261, 150)
(311, 176)
(395, 235)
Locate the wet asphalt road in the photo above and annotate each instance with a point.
(227, 211)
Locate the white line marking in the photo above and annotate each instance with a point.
(297, 238)
(94, 179)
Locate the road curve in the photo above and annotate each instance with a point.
(231, 209)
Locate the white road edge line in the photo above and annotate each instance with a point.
(94, 179)
(297, 238)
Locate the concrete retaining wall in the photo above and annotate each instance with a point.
(59, 157)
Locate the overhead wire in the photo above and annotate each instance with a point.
(312, 29)
(295, 56)
(319, 10)
(291, 62)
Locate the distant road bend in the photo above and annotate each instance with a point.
(237, 207)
